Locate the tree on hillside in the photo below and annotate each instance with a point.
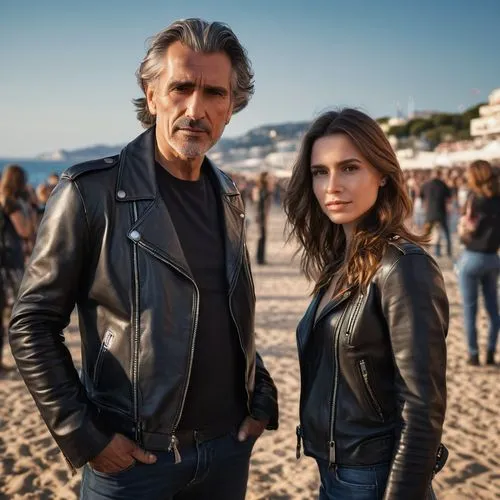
(419, 125)
(399, 131)
(442, 119)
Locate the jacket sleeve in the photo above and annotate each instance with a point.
(415, 306)
(265, 396)
(264, 404)
(45, 301)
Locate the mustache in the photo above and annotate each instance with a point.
(190, 123)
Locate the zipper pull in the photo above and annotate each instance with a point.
(173, 447)
(331, 454)
(298, 431)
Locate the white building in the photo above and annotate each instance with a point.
(487, 126)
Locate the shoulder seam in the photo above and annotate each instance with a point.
(79, 169)
(422, 254)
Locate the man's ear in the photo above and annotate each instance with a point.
(151, 99)
(230, 111)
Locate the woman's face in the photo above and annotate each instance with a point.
(344, 183)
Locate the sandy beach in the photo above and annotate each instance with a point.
(31, 466)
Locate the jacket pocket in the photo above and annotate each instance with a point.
(351, 323)
(369, 390)
(107, 341)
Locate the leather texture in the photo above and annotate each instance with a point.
(382, 396)
(107, 244)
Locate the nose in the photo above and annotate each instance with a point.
(334, 182)
(195, 108)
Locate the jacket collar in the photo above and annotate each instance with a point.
(309, 321)
(137, 176)
(154, 229)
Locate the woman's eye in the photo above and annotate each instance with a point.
(350, 168)
(317, 172)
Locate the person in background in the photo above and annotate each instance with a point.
(42, 193)
(16, 201)
(15, 228)
(371, 345)
(436, 196)
(479, 264)
(150, 246)
(52, 181)
(263, 201)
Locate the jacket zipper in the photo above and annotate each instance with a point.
(174, 442)
(136, 319)
(375, 404)
(105, 346)
(354, 315)
(331, 443)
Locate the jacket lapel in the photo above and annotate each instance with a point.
(305, 326)
(308, 322)
(154, 230)
(234, 224)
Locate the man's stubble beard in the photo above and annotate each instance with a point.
(190, 149)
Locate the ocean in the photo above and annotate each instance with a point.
(37, 170)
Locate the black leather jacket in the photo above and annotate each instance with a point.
(107, 244)
(380, 397)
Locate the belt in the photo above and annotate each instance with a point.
(155, 441)
(185, 438)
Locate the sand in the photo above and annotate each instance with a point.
(31, 466)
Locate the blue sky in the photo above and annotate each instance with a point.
(67, 68)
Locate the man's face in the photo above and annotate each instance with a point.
(191, 100)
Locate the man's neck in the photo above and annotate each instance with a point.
(185, 169)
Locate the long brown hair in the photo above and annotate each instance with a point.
(323, 242)
(13, 182)
(482, 179)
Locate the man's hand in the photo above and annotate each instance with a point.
(251, 427)
(120, 454)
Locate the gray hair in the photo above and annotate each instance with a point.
(200, 36)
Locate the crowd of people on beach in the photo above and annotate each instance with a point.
(149, 245)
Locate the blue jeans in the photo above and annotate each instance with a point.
(444, 229)
(475, 269)
(355, 483)
(215, 469)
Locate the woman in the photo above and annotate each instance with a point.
(372, 342)
(479, 230)
(15, 225)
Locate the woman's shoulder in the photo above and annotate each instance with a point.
(405, 258)
(9, 206)
(398, 247)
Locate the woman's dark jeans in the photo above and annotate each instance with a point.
(355, 483)
(477, 269)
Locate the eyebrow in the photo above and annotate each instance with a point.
(339, 164)
(191, 85)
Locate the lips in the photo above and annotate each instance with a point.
(193, 130)
(337, 203)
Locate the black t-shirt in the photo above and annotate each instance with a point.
(486, 212)
(216, 393)
(435, 194)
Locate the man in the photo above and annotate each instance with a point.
(150, 246)
(263, 201)
(436, 195)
